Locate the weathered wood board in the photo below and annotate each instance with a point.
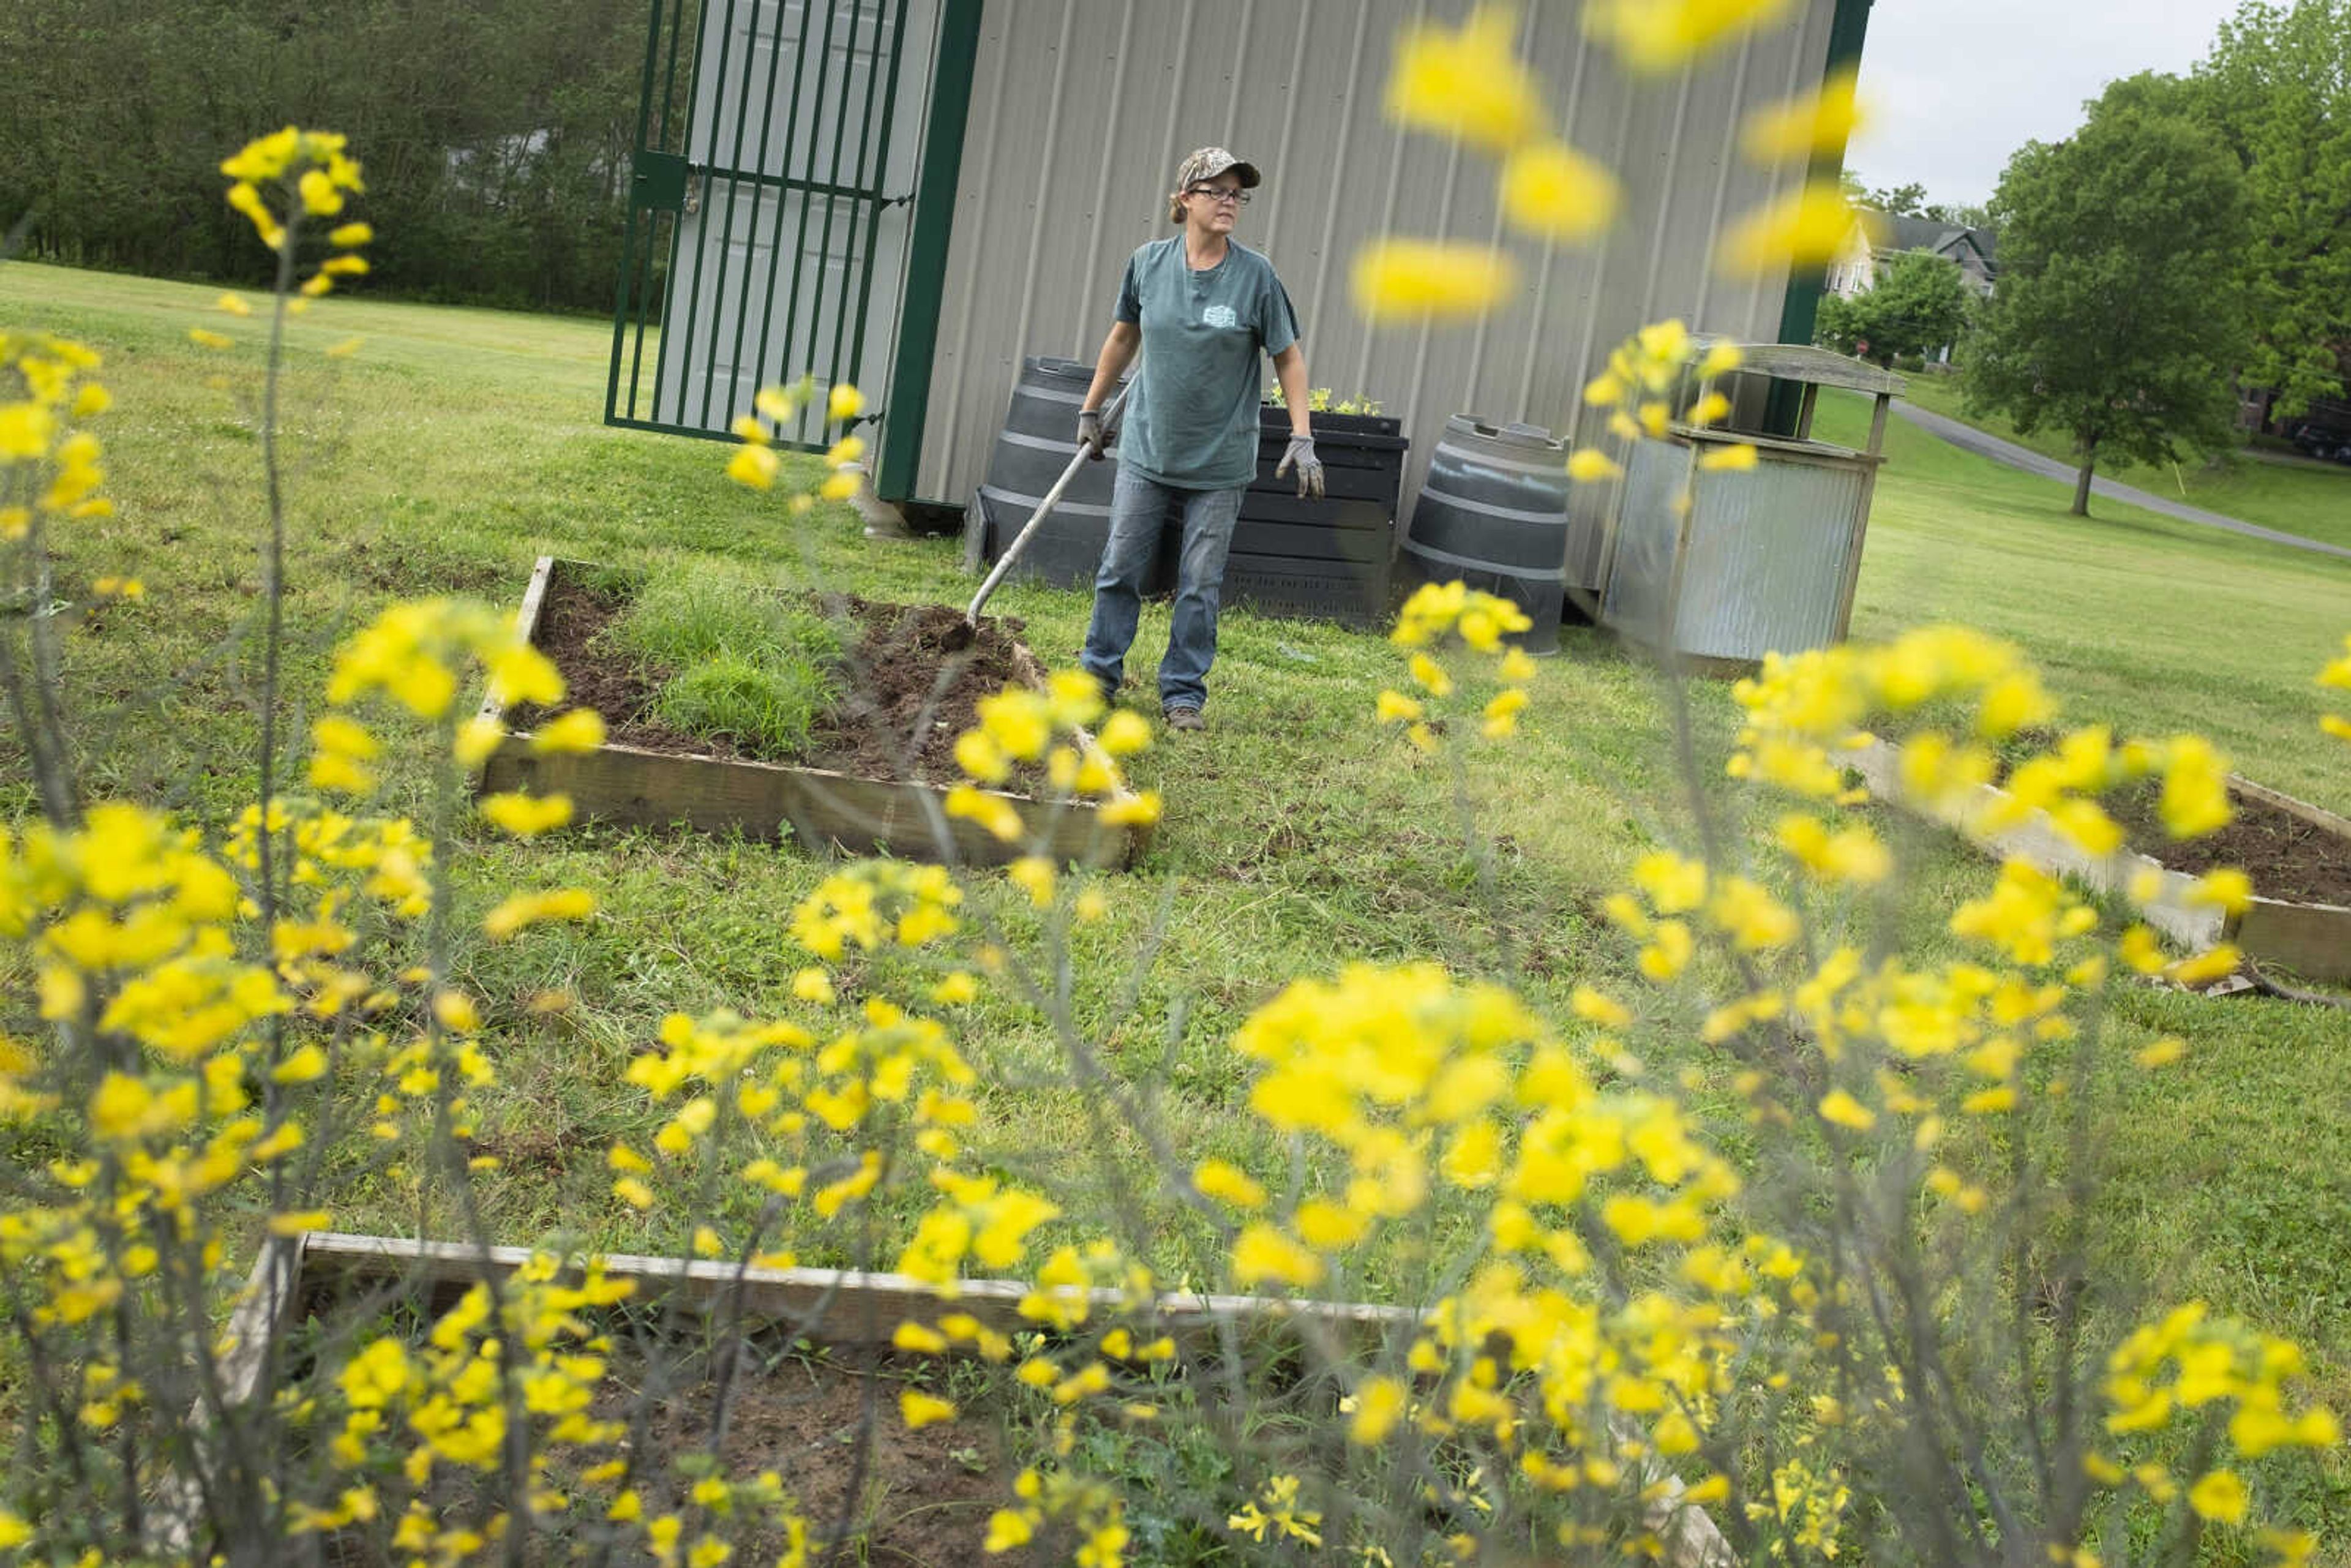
(2314, 940)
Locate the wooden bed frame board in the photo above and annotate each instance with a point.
(2312, 939)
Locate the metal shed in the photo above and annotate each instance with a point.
(915, 194)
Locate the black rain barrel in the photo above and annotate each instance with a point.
(1039, 438)
(1493, 513)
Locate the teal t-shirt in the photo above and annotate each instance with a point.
(1192, 420)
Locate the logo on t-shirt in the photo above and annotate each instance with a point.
(1220, 316)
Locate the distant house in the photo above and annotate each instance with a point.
(1877, 238)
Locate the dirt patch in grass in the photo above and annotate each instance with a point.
(921, 1497)
(900, 662)
(2287, 858)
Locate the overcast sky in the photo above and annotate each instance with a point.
(1956, 85)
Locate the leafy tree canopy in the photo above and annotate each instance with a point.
(2277, 87)
(2119, 317)
(1920, 305)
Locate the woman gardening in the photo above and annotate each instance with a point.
(1201, 308)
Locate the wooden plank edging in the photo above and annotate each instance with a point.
(2312, 939)
(879, 1301)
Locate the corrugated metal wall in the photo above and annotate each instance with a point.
(1080, 109)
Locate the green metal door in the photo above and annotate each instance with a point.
(771, 206)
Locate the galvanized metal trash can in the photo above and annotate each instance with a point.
(1762, 559)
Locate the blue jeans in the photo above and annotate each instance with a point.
(1137, 509)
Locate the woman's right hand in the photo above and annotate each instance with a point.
(1090, 433)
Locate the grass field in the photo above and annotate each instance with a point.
(2294, 498)
(457, 446)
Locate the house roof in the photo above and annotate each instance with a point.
(1932, 233)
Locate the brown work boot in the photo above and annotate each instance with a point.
(1186, 719)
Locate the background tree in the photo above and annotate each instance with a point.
(499, 183)
(1898, 200)
(2119, 318)
(2277, 85)
(1918, 307)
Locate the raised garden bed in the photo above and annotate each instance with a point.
(797, 1408)
(860, 786)
(2297, 855)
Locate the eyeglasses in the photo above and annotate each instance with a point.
(1238, 198)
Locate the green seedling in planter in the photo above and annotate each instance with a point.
(678, 623)
(1319, 401)
(765, 708)
(735, 661)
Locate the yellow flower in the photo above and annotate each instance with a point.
(1411, 279)
(1660, 35)
(919, 1410)
(527, 816)
(294, 1223)
(348, 237)
(1379, 1402)
(524, 909)
(1467, 83)
(2220, 1497)
(1126, 733)
(2162, 1053)
(1137, 810)
(1222, 1179)
(1395, 707)
(1262, 1254)
(581, 729)
(1799, 126)
(633, 1193)
(1033, 875)
(1431, 675)
(2195, 799)
(205, 338)
(1845, 1111)
(755, 466)
(1006, 1530)
(845, 401)
(1589, 465)
(1550, 188)
(1805, 227)
(1735, 457)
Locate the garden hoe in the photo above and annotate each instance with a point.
(961, 636)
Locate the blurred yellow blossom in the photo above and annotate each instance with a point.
(1466, 81)
(1398, 279)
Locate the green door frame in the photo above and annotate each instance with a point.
(1800, 311)
(900, 452)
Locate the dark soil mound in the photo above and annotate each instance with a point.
(2287, 858)
(908, 691)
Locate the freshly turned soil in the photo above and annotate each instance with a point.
(2288, 859)
(903, 661)
(924, 1496)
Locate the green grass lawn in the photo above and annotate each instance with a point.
(2314, 502)
(2139, 621)
(457, 446)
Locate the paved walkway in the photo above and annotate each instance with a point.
(1967, 438)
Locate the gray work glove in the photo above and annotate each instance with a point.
(1090, 433)
(1310, 467)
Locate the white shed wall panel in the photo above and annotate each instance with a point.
(1081, 108)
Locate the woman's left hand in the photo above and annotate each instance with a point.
(1310, 467)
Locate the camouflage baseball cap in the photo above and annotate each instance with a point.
(1209, 162)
